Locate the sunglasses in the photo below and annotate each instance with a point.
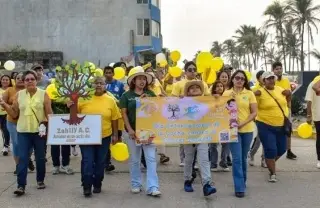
(30, 79)
(191, 70)
(239, 78)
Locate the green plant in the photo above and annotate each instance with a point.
(298, 107)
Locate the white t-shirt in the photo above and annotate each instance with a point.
(315, 102)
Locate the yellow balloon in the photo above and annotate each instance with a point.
(120, 152)
(204, 59)
(9, 65)
(175, 56)
(216, 63)
(119, 73)
(98, 73)
(52, 91)
(212, 77)
(305, 130)
(201, 68)
(248, 74)
(175, 71)
(163, 63)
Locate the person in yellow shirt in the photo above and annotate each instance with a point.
(168, 84)
(270, 121)
(284, 83)
(31, 106)
(190, 74)
(246, 103)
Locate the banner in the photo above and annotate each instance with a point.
(86, 132)
(189, 120)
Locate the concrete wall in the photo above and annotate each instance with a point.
(82, 29)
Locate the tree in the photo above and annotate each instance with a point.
(73, 82)
(229, 46)
(263, 36)
(303, 13)
(217, 49)
(316, 54)
(173, 108)
(278, 15)
(292, 44)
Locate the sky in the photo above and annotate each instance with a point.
(192, 25)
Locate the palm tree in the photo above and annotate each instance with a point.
(240, 53)
(273, 55)
(217, 49)
(292, 44)
(263, 36)
(303, 14)
(278, 16)
(316, 54)
(229, 46)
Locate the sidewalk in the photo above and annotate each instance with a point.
(298, 186)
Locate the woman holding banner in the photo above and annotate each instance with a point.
(246, 103)
(32, 105)
(139, 82)
(93, 156)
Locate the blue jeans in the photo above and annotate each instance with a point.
(12, 128)
(239, 151)
(26, 142)
(92, 163)
(152, 183)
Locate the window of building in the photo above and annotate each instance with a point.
(143, 27)
(142, 1)
(155, 3)
(155, 29)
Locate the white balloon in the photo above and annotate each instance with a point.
(160, 57)
(9, 65)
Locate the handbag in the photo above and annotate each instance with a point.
(43, 127)
(287, 125)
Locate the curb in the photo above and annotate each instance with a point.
(295, 134)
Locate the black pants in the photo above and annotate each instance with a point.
(65, 153)
(317, 124)
(5, 132)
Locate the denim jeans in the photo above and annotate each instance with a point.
(92, 163)
(225, 151)
(239, 151)
(55, 154)
(5, 132)
(12, 128)
(152, 183)
(26, 141)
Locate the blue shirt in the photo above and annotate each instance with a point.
(116, 88)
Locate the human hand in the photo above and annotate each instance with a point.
(309, 119)
(257, 93)
(181, 96)
(216, 95)
(114, 139)
(132, 134)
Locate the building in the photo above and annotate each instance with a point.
(101, 31)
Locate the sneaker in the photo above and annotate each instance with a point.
(110, 168)
(290, 155)
(209, 189)
(251, 160)
(264, 164)
(87, 192)
(273, 178)
(196, 167)
(96, 190)
(19, 191)
(181, 164)
(164, 158)
(56, 170)
(74, 151)
(214, 168)
(229, 162)
(155, 193)
(239, 194)
(224, 167)
(318, 165)
(41, 185)
(66, 169)
(136, 190)
(5, 151)
(31, 165)
(188, 186)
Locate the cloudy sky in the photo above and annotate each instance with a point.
(192, 25)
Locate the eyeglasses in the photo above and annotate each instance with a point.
(191, 70)
(30, 80)
(239, 78)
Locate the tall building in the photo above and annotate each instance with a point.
(101, 31)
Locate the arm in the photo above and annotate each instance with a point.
(257, 93)
(47, 105)
(309, 112)
(5, 96)
(251, 117)
(115, 136)
(12, 110)
(131, 132)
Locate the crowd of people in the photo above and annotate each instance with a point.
(265, 106)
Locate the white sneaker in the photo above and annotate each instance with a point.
(74, 151)
(135, 190)
(67, 170)
(56, 170)
(181, 164)
(318, 165)
(155, 193)
(5, 151)
(273, 178)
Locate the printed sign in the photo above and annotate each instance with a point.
(85, 133)
(190, 120)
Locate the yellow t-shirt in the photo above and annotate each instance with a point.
(156, 87)
(268, 110)
(178, 88)
(2, 111)
(256, 87)
(106, 107)
(243, 100)
(169, 88)
(284, 83)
